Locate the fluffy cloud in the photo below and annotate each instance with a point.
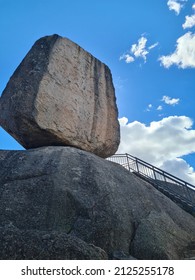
(128, 58)
(184, 55)
(180, 168)
(189, 20)
(159, 108)
(162, 143)
(138, 50)
(170, 101)
(176, 5)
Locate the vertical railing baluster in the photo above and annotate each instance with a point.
(154, 173)
(128, 162)
(136, 162)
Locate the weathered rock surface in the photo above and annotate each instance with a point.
(73, 192)
(159, 237)
(61, 95)
(18, 244)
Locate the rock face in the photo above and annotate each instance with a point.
(52, 245)
(55, 195)
(61, 95)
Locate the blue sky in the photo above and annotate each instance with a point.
(149, 47)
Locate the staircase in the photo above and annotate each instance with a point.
(179, 191)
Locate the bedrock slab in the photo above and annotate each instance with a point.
(62, 195)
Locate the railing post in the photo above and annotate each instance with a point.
(154, 173)
(136, 162)
(128, 162)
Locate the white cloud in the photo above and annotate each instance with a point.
(189, 20)
(170, 101)
(128, 58)
(153, 46)
(161, 142)
(179, 168)
(176, 5)
(159, 108)
(138, 50)
(184, 55)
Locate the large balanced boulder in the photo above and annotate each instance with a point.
(65, 193)
(61, 95)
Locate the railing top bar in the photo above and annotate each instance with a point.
(166, 174)
(119, 155)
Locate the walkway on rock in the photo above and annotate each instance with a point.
(178, 190)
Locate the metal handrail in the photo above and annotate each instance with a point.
(161, 179)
